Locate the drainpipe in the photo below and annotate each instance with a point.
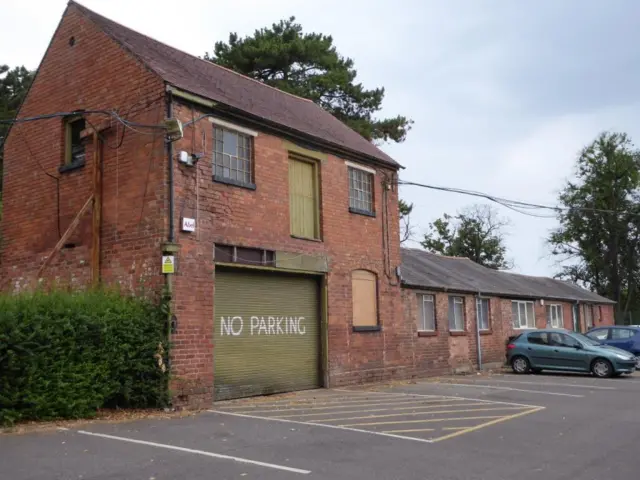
(478, 297)
(171, 236)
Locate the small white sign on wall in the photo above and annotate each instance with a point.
(188, 224)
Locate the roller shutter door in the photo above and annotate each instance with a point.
(267, 333)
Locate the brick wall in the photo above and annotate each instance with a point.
(442, 351)
(260, 219)
(93, 73)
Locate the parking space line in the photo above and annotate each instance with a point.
(487, 424)
(456, 428)
(315, 401)
(311, 424)
(429, 420)
(197, 452)
(413, 430)
(413, 414)
(495, 387)
(337, 406)
(418, 395)
(563, 385)
(412, 406)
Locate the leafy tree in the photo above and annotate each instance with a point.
(600, 224)
(14, 84)
(475, 232)
(308, 65)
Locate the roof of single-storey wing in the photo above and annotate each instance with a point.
(232, 89)
(421, 269)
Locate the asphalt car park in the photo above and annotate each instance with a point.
(553, 426)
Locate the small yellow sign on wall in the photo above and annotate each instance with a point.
(168, 264)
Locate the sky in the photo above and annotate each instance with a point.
(503, 94)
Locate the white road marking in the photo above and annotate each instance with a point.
(197, 452)
(453, 397)
(554, 384)
(335, 427)
(542, 392)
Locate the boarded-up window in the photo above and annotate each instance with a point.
(365, 298)
(304, 204)
(588, 316)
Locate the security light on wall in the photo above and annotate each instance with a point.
(174, 129)
(542, 302)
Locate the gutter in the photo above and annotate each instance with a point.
(281, 130)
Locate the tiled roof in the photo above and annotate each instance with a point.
(426, 270)
(224, 86)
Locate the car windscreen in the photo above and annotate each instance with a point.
(584, 339)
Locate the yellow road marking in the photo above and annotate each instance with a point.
(414, 407)
(411, 430)
(455, 419)
(411, 414)
(487, 424)
(310, 404)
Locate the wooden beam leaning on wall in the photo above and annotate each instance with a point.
(65, 236)
(97, 210)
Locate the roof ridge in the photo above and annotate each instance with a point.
(92, 12)
(453, 257)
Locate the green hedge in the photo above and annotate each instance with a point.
(64, 355)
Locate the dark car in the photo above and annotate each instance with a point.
(555, 349)
(625, 338)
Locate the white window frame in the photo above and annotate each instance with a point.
(427, 300)
(353, 197)
(479, 311)
(588, 317)
(557, 320)
(457, 300)
(527, 320)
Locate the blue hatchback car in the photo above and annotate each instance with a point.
(625, 338)
(555, 349)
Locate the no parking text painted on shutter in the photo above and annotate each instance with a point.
(267, 333)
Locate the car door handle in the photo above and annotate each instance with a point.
(529, 348)
(556, 350)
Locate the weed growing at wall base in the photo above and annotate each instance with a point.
(66, 354)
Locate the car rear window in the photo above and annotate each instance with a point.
(538, 338)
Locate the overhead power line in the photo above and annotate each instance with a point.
(516, 205)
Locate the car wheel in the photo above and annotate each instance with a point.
(602, 368)
(520, 364)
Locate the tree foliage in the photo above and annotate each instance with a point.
(476, 232)
(598, 237)
(14, 84)
(308, 65)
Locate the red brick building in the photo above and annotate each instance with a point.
(277, 225)
(452, 302)
(290, 217)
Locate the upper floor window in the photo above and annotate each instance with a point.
(74, 153)
(482, 312)
(554, 316)
(361, 190)
(456, 314)
(364, 295)
(304, 198)
(523, 314)
(232, 156)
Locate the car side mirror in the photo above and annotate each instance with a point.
(578, 346)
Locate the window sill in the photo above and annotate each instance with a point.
(373, 328)
(235, 183)
(457, 333)
(486, 332)
(427, 333)
(70, 167)
(362, 212)
(297, 237)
